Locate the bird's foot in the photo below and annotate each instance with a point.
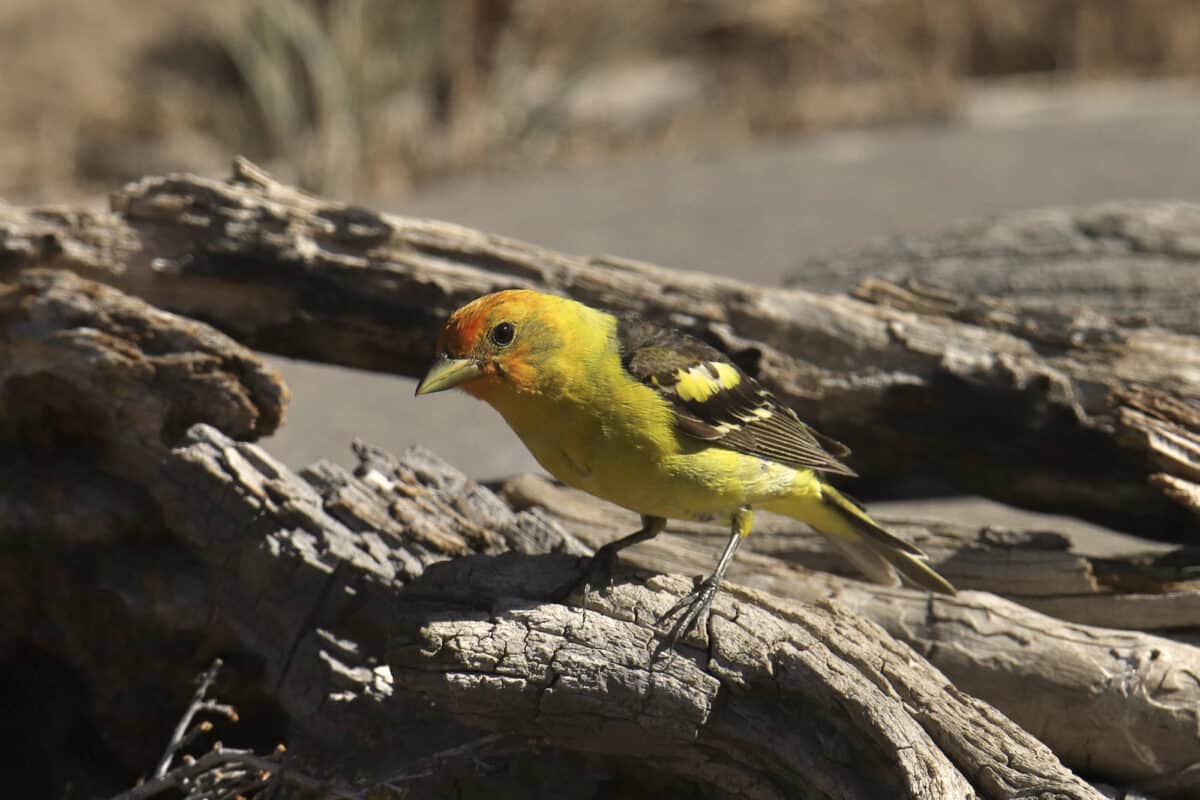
(691, 607)
(598, 573)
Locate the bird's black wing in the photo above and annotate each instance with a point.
(715, 401)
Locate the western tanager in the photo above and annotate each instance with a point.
(658, 422)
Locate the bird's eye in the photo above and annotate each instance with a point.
(502, 334)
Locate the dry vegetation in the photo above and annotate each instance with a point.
(375, 95)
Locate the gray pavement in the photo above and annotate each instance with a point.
(757, 212)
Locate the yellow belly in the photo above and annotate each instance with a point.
(624, 464)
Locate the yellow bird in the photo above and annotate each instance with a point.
(658, 422)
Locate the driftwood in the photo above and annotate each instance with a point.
(1138, 263)
(133, 535)
(1056, 409)
(333, 599)
(1068, 682)
(1030, 666)
(88, 363)
(95, 387)
(775, 699)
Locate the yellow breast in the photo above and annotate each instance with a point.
(595, 428)
(630, 454)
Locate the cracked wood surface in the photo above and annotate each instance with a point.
(808, 701)
(1125, 703)
(1029, 665)
(1045, 406)
(773, 701)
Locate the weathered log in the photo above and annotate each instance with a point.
(1030, 666)
(109, 609)
(1027, 405)
(1136, 262)
(83, 362)
(1153, 414)
(319, 587)
(754, 711)
(1123, 703)
(95, 388)
(797, 701)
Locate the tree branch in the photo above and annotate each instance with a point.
(184, 732)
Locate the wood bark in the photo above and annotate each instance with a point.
(336, 594)
(1043, 406)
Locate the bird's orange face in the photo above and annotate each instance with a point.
(490, 342)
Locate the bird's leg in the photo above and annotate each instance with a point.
(699, 600)
(600, 568)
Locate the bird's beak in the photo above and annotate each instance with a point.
(446, 373)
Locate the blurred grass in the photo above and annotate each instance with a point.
(373, 96)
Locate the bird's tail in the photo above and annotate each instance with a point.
(877, 553)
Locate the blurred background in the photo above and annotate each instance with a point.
(376, 98)
(719, 135)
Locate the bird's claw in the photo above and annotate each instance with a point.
(693, 606)
(598, 573)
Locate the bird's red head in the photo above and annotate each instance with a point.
(491, 341)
